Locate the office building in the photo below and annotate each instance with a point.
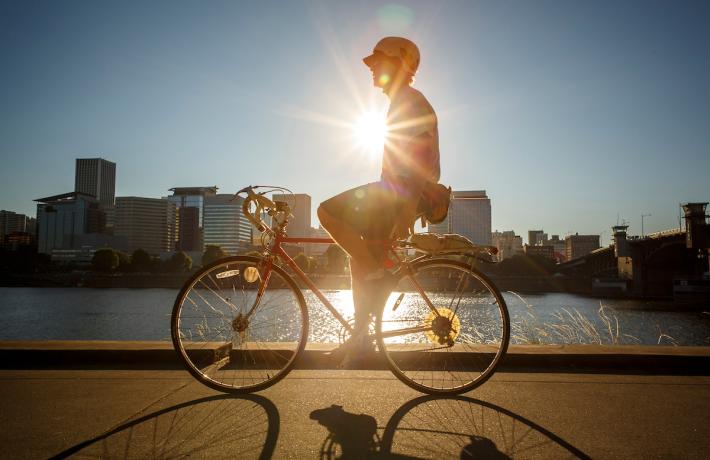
(63, 219)
(541, 250)
(190, 203)
(580, 245)
(316, 249)
(300, 203)
(469, 215)
(146, 223)
(96, 177)
(12, 222)
(224, 224)
(558, 246)
(508, 244)
(536, 237)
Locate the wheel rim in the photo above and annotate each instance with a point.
(225, 340)
(456, 345)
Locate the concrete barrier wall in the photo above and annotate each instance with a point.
(520, 358)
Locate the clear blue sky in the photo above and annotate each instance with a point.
(568, 113)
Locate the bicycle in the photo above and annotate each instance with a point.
(240, 323)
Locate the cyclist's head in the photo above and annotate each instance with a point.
(393, 60)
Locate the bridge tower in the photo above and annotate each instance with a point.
(697, 231)
(622, 252)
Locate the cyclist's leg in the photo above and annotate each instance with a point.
(359, 214)
(359, 297)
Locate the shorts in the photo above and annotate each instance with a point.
(370, 209)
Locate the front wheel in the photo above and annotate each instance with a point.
(239, 323)
(445, 327)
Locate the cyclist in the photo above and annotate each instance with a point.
(387, 208)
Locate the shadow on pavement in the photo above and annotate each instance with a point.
(440, 427)
(350, 435)
(213, 427)
(467, 428)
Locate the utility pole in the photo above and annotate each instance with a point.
(642, 216)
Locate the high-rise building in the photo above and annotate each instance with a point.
(63, 219)
(190, 202)
(146, 223)
(507, 243)
(12, 222)
(558, 247)
(224, 224)
(580, 245)
(96, 177)
(536, 237)
(469, 215)
(300, 203)
(317, 249)
(543, 250)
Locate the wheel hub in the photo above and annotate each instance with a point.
(445, 327)
(240, 323)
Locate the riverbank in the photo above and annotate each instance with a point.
(523, 284)
(72, 354)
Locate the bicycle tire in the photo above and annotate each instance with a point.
(223, 347)
(457, 353)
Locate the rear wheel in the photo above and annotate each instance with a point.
(239, 323)
(445, 328)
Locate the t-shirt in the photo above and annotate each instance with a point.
(412, 144)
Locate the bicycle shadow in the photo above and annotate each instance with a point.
(350, 435)
(467, 428)
(440, 427)
(213, 427)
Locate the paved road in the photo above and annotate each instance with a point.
(353, 414)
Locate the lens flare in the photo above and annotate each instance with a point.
(370, 132)
(384, 79)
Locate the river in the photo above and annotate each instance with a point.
(144, 314)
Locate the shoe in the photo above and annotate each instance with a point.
(352, 351)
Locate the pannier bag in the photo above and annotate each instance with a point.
(451, 243)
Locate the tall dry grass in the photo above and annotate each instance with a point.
(570, 326)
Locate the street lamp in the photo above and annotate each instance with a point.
(642, 216)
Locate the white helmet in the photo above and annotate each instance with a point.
(396, 47)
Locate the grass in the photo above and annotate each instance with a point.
(570, 326)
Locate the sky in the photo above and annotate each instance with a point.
(572, 115)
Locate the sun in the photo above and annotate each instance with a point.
(370, 131)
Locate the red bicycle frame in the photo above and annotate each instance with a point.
(277, 250)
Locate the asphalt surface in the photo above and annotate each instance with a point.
(351, 414)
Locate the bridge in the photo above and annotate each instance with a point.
(671, 263)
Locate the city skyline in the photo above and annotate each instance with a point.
(298, 225)
(568, 116)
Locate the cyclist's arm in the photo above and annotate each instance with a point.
(412, 182)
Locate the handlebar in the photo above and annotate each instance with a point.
(261, 203)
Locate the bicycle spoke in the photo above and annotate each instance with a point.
(256, 348)
(454, 346)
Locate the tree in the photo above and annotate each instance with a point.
(336, 259)
(302, 262)
(140, 261)
(212, 253)
(178, 263)
(105, 260)
(124, 262)
(312, 264)
(526, 265)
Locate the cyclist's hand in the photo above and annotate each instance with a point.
(403, 226)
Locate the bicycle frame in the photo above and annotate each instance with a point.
(278, 250)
